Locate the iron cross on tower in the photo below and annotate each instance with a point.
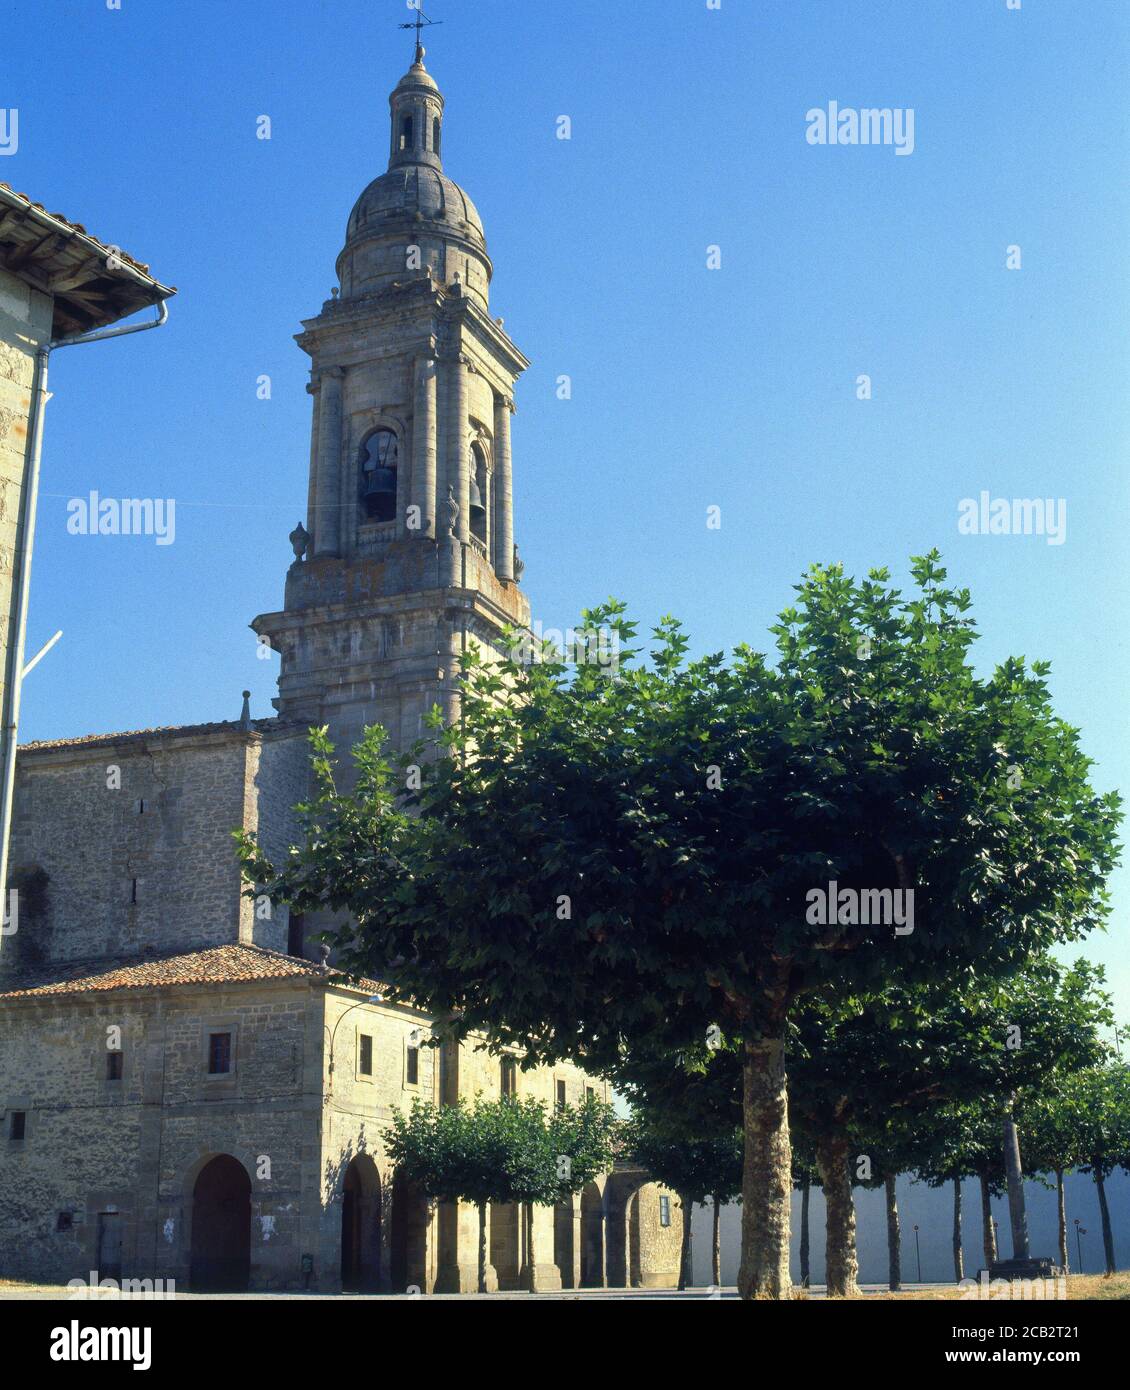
(420, 22)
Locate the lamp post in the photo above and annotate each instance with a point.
(1079, 1231)
(372, 999)
(918, 1254)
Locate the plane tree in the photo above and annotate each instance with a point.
(607, 854)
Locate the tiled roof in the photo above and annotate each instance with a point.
(92, 284)
(164, 731)
(217, 965)
(74, 226)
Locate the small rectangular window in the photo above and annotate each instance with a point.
(219, 1054)
(561, 1095)
(296, 935)
(65, 1221)
(133, 890)
(664, 1211)
(509, 1078)
(17, 1125)
(365, 1063)
(113, 1066)
(412, 1067)
(590, 1094)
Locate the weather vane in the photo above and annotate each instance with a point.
(420, 22)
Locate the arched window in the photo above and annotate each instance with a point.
(379, 459)
(406, 133)
(480, 493)
(436, 129)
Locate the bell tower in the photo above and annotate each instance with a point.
(407, 554)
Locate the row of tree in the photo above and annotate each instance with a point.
(506, 1151)
(863, 848)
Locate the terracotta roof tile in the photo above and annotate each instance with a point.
(78, 227)
(216, 965)
(164, 731)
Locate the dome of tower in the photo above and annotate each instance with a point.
(408, 191)
(414, 206)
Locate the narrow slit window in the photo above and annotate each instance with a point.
(219, 1054)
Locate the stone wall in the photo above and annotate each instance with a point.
(134, 836)
(131, 1149)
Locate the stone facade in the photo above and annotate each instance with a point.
(122, 845)
(184, 1094)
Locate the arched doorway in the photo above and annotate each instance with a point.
(592, 1237)
(408, 1237)
(361, 1226)
(563, 1252)
(221, 1227)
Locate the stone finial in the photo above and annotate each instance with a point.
(452, 511)
(519, 564)
(300, 540)
(245, 712)
(324, 952)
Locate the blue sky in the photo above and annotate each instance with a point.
(691, 387)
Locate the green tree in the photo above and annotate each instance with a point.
(700, 1168)
(1051, 1142)
(867, 1075)
(602, 859)
(1099, 1101)
(461, 1152)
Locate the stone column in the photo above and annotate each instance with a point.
(458, 476)
(311, 493)
(327, 532)
(503, 540)
(424, 446)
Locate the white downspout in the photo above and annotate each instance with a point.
(23, 561)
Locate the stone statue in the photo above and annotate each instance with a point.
(299, 539)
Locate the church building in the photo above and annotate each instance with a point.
(188, 1092)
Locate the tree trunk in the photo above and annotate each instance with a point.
(482, 1247)
(894, 1243)
(716, 1247)
(1017, 1216)
(1061, 1211)
(804, 1262)
(767, 1170)
(958, 1255)
(531, 1257)
(988, 1234)
(686, 1256)
(832, 1158)
(1104, 1212)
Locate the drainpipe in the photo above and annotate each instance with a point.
(23, 564)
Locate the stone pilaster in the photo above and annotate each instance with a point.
(503, 546)
(327, 532)
(458, 474)
(424, 446)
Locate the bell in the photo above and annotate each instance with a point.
(379, 482)
(478, 511)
